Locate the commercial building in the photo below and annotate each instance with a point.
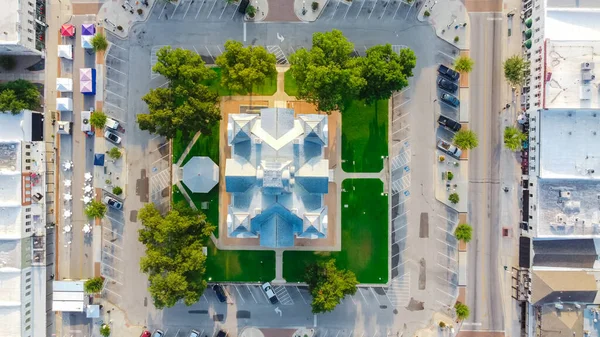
(23, 26)
(22, 225)
(277, 177)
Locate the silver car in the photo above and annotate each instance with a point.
(270, 293)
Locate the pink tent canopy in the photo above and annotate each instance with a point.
(85, 74)
(86, 86)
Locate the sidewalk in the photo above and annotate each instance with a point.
(450, 20)
(304, 11)
(118, 16)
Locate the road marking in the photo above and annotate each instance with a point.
(186, 11)
(448, 281)
(211, 9)
(106, 289)
(115, 220)
(236, 10)
(116, 58)
(447, 244)
(244, 30)
(108, 91)
(314, 321)
(161, 12)
(114, 106)
(113, 268)
(202, 4)
(116, 45)
(452, 296)
(448, 269)
(224, 8)
(408, 12)
(111, 280)
(108, 67)
(361, 7)
(447, 256)
(109, 254)
(111, 80)
(250, 291)
(298, 289)
(373, 9)
(242, 297)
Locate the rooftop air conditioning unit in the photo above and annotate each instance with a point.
(587, 66)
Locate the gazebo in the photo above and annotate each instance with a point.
(200, 174)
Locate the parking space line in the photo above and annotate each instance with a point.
(376, 332)
(106, 289)
(112, 280)
(199, 9)
(242, 297)
(220, 51)
(224, 8)
(451, 221)
(363, 296)
(373, 9)
(108, 91)
(400, 116)
(211, 9)
(105, 227)
(395, 230)
(113, 219)
(448, 269)
(113, 268)
(408, 12)
(326, 332)
(250, 291)
(303, 300)
(401, 104)
(444, 292)
(360, 10)
(114, 106)
(108, 241)
(443, 230)
(448, 281)
(236, 10)
(109, 67)
(159, 159)
(447, 244)
(107, 253)
(186, 11)
(209, 53)
(453, 259)
(444, 304)
(116, 58)
(163, 9)
(116, 45)
(352, 298)
(111, 80)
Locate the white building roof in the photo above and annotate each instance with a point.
(10, 189)
(15, 127)
(11, 222)
(9, 20)
(572, 24)
(10, 321)
(200, 174)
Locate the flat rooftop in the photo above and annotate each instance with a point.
(9, 17)
(569, 144)
(567, 84)
(10, 156)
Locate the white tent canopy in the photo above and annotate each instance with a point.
(65, 51)
(64, 104)
(86, 41)
(64, 84)
(200, 174)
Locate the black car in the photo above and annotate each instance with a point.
(220, 293)
(447, 85)
(222, 333)
(448, 73)
(451, 100)
(449, 124)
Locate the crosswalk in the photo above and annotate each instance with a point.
(399, 290)
(283, 295)
(279, 54)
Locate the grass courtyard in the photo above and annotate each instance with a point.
(364, 213)
(268, 89)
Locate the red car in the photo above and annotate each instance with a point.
(146, 333)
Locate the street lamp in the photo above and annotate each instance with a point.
(434, 3)
(303, 7)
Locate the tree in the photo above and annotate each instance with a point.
(174, 260)
(464, 64)
(117, 190)
(513, 138)
(95, 209)
(328, 285)
(10, 103)
(105, 330)
(462, 311)
(25, 95)
(242, 68)
(114, 153)
(385, 71)
(98, 119)
(93, 285)
(463, 232)
(8, 62)
(454, 198)
(327, 75)
(251, 11)
(99, 42)
(465, 139)
(515, 70)
(185, 105)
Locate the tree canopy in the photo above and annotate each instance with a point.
(328, 285)
(513, 138)
(464, 64)
(463, 232)
(465, 139)
(18, 95)
(515, 70)
(93, 285)
(454, 198)
(174, 260)
(385, 71)
(114, 153)
(327, 75)
(462, 311)
(105, 330)
(185, 105)
(99, 42)
(98, 119)
(95, 209)
(242, 68)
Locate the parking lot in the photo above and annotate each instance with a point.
(113, 263)
(341, 10)
(199, 10)
(117, 78)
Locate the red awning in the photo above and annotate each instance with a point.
(67, 30)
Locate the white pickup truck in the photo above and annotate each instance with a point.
(449, 148)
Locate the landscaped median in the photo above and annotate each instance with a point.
(364, 212)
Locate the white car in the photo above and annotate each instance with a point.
(270, 293)
(112, 137)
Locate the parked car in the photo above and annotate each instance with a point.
(111, 124)
(449, 124)
(270, 293)
(158, 333)
(448, 73)
(146, 333)
(447, 85)
(194, 333)
(450, 100)
(112, 202)
(220, 293)
(449, 148)
(221, 333)
(112, 137)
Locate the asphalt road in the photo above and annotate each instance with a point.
(484, 270)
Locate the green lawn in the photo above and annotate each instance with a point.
(364, 136)
(206, 145)
(268, 89)
(289, 84)
(364, 236)
(179, 145)
(234, 265)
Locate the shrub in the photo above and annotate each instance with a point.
(140, 11)
(462, 311)
(99, 42)
(464, 232)
(8, 62)
(314, 5)
(114, 153)
(453, 198)
(117, 190)
(93, 285)
(456, 38)
(98, 119)
(95, 209)
(442, 324)
(426, 14)
(251, 11)
(442, 158)
(120, 28)
(105, 330)
(450, 175)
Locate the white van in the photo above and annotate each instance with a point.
(112, 124)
